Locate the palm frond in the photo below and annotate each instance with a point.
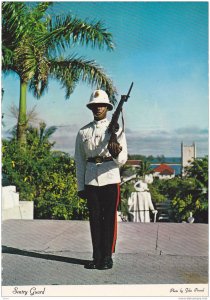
(45, 133)
(25, 59)
(39, 10)
(14, 111)
(38, 87)
(7, 59)
(31, 115)
(72, 70)
(65, 31)
(32, 64)
(39, 82)
(49, 131)
(14, 23)
(42, 126)
(38, 18)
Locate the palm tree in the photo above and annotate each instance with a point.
(144, 169)
(32, 44)
(40, 136)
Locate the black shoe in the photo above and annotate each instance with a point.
(107, 263)
(94, 264)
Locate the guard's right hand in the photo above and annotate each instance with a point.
(82, 194)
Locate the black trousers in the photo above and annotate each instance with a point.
(102, 204)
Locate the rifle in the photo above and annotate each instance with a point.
(113, 125)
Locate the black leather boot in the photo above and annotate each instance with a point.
(106, 263)
(94, 264)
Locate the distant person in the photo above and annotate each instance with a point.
(140, 202)
(98, 178)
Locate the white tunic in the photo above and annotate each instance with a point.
(92, 140)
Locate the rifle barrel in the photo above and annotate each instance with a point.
(116, 114)
(130, 89)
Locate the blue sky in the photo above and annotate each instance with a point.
(163, 48)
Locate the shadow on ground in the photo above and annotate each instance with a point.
(70, 260)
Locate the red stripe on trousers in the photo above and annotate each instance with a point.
(115, 222)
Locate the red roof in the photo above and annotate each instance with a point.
(164, 169)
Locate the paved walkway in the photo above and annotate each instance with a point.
(46, 252)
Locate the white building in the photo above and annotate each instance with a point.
(163, 171)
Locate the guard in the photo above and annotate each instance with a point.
(98, 178)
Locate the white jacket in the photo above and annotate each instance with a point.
(92, 140)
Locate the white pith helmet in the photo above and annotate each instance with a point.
(99, 96)
(138, 186)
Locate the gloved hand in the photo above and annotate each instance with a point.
(82, 194)
(114, 149)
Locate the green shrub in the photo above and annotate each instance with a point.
(44, 176)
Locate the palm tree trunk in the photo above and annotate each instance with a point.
(22, 122)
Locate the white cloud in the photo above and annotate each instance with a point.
(65, 137)
(145, 142)
(166, 142)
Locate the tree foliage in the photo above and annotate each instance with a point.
(144, 169)
(190, 193)
(44, 176)
(140, 157)
(157, 192)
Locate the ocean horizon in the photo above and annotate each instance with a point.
(175, 167)
(174, 162)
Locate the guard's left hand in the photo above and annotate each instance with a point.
(114, 149)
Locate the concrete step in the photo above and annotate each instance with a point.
(12, 208)
(10, 198)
